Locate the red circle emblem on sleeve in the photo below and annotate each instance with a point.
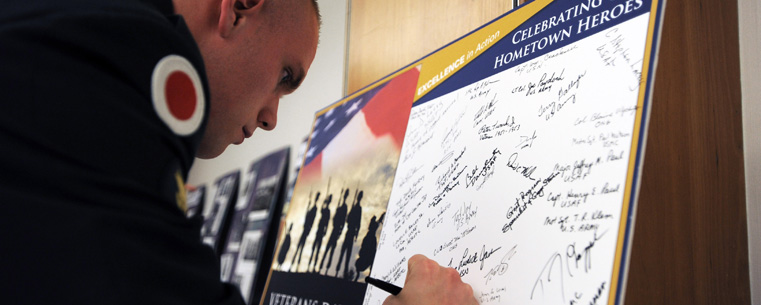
(178, 94)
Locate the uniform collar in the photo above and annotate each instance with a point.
(165, 7)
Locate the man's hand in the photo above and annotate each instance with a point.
(429, 283)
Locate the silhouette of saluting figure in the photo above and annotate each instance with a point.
(369, 243)
(352, 230)
(285, 247)
(308, 222)
(322, 228)
(339, 219)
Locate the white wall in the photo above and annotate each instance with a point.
(750, 70)
(323, 85)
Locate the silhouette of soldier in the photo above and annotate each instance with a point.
(308, 222)
(322, 228)
(369, 245)
(285, 247)
(339, 220)
(352, 230)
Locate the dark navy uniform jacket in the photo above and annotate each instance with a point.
(91, 176)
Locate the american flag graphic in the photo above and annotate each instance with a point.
(382, 111)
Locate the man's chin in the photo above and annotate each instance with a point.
(209, 153)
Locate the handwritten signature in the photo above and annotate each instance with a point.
(469, 259)
(582, 255)
(488, 169)
(524, 200)
(501, 268)
(555, 270)
(527, 141)
(555, 263)
(464, 214)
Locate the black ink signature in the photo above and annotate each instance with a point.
(464, 214)
(485, 112)
(553, 108)
(468, 259)
(546, 276)
(524, 200)
(445, 177)
(585, 255)
(448, 188)
(497, 129)
(525, 171)
(598, 294)
(446, 158)
(527, 141)
(574, 84)
(470, 179)
(502, 267)
(546, 83)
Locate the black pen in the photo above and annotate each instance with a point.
(385, 286)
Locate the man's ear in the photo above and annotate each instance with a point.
(235, 13)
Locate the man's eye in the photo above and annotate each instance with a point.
(286, 76)
(289, 81)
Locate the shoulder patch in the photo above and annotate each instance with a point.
(178, 96)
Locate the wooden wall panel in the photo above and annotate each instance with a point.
(690, 238)
(387, 35)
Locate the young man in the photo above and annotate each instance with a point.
(104, 106)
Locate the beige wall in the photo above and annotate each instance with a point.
(750, 67)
